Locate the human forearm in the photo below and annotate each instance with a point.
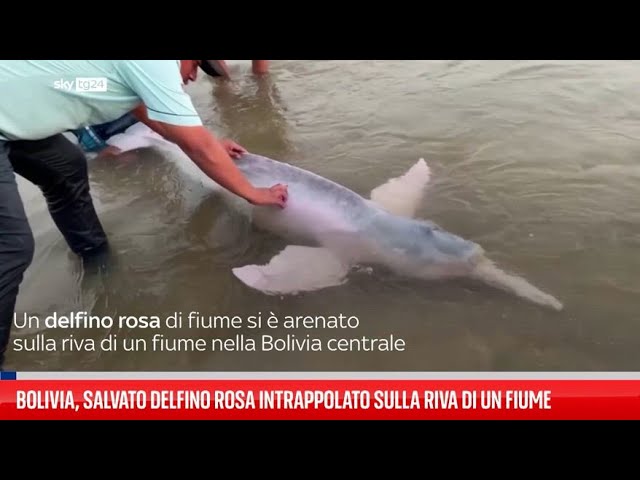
(212, 158)
(140, 113)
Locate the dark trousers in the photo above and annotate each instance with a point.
(59, 168)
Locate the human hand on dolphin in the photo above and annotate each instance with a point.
(276, 195)
(233, 149)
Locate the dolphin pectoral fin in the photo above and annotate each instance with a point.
(402, 195)
(295, 269)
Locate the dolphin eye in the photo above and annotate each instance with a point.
(429, 228)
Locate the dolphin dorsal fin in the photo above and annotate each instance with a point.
(402, 195)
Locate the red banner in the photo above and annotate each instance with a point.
(320, 399)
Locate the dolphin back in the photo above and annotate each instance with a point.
(316, 191)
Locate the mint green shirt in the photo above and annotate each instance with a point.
(40, 98)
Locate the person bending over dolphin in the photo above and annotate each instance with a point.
(42, 99)
(95, 138)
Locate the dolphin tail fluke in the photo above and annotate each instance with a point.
(295, 269)
(138, 136)
(487, 272)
